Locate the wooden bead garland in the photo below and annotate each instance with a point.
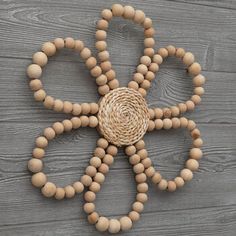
(121, 116)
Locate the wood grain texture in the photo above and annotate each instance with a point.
(207, 205)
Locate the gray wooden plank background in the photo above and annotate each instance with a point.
(207, 205)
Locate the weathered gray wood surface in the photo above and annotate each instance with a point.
(207, 205)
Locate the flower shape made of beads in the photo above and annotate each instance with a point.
(121, 116)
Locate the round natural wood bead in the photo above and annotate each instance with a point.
(40, 95)
(150, 171)
(40, 59)
(145, 84)
(58, 127)
(163, 52)
(93, 121)
(156, 178)
(102, 24)
(175, 111)
(138, 168)
(143, 92)
(147, 162)
(112, 150)
(113, 84)
(175, 123)
(102, 224)
(101, 35)
(102, 143)
(183, 122)
(111, 74)
(158, 113)
(150, 32)
(93, 218)
(104, 89)
(49, 189)
(85, 53)
(49, 48)
(99, 177)
(58, 105)
(101, 80)
(190, 105)
(79, 45)
(186, 174)
(69, 191)
(108, 159)
(35, 165)
(91, 62)
(198, 142)
(195, 69)
(84, 121)
(67, 125)
(157, 59)
(179, 182)
(134, 159)
(41, 142)
(142, 188)
(199, 80)
(196, 99)
(142, 153)
(149, 42)
(188, 59)
(171, 186)
(140, 145)
(101, 45)
(138, 207)
(141, 68)
(147, 23)
(95, 161)
(130, 150)
(129, 12)
(153, 67)
(67, 107)
(76, 110)
(39, 179)
(60, 194)
(95, 187)
(192, 164)
(34, 71)
(199, 91)
(182, 107)
(141, 197)
(38, 153)
(69, 42)
(59, 43)
(114, 226)
(163, 184)
(196, 153)
(125, 223)
(35, 84)
(195, 133)
(139, 17)
(180, 52)
(117, 10)
(104, 168)
(167, 123)
(171, 50)
(138, 77)
(140, 178)
(91, 171)
(158, 124)
(48, 102)
(99, 152)
(134, 216)
(191, 125)
(78, 186)
(89, 207)
(133, 84)
(89, 196)
(106, 14)
(150, 76)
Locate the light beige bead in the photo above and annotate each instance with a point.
(196, 99)
(150, 171)
(95, 187)
(182, 107)
(40, 95)
(150, 32)
(67, 125)
(190, 105)
(102, 24)
(141, 197)
(129, 12)
(104, 168)
(158, 113)
(151, 113)
(101, 45)
(142, 69)
(93, 218)
(59, 43)
(180, 52)
(89, 196)
(171, 186)
(67, 107)
(114, 226)
(102, 224)
(69, 191)
(95, 161)
(41, 142)
(192, 164)
(148, 52)
(76, 110)
(139, 17)
(60, 193)
(167, 123)
(34, 71)
(138, 77)
(134, 85)
(150, 76)
(149, 42)
(166, 112)
(89, 207)
(40, 59)
(103, 143)
(35, 84)
(156, 178)
(76, 122)
(117, 10)
(130, 150)
(183, 122)
(35, 165)
(146, 84)
(197, 143)
(191, 125)
(151, 125)
(147, 23)
(199, 80)
(179, 182)
(134, 216)
(85, 53)
(142, 153)
(143, 92)
(108, 159)
(69, 42)
(138, 207)
(113, 84)
(112, 150)
(96, 71)
(93, 121)
(38, 153)
(134, 159)
(99, 178)
(125, 223)
(175, 111)
(91, 62)
(163, 184)
(142, 188)
(99, 152)
(138, 168)
(106, 14)
(163, 52)
(103, 56)
(140, 178)
(38, 180)
(101, 80)
(105, 66)
(84, 121)
(188, 59)
(58, 105)
(199, 91)
(195, 69)
(175, 123)
(49, 189)
(153, 67)
(49, 49)
(171, 50)
(91, 171)
(140, 145)
(195, 153)
(157, 59)
(186, 174)
(195, 133)
(48, 102)
(101, 35)
(145, 60)
(58, 127)
(78, 186)
(79, 45)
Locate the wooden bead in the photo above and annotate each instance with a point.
(138, 207)
(150, 76)
(151, 113)
(147, 23)
(85, 53)
(190, 105)
(113, 84)
(180, 52)
(99, 152)
(69, 191)
(96, 71)
(102, 224)
(147, 162)
(101, 80)
(151, 125)
(188, 59)
(175, 111)
(134, 216)
(139, 17)
(40, 59)
(67, 125)
(150, 32)
(158, 113)
(138, 77)
(140, 178)
(150, 171)
(34, 71)
(143, 92)
(58, 105)
(199, 91)
(112, 150)
(171, 50)
(195, 133)
(35, 165)
(117, 10)
(103, 56)
(90, 171)
(175, 123)
(93, 121)
(125, 223)
(101, 45)
(58, 127)
(38, 180)
(89, 207)
(142, 69)
(158, 124)
(108, 159)
(171, 186)
(196, 99)
(79, 45)
(163, 52)
(48, 102)
(141, 197)
(69, 42)
(138, 168)
(93, 218)
(99, 178)
(192, 164)
(89, 196)
(183, 122)
(142, 153)
(101, 35)
(106, 66)
(148, 52)
(133, 85)
(134, 159)
(60, 193)
(140, 145)
(76, 109)
(40, 95)
(38, 153)
(167, 123)
(157, 59)
(104, 168)
(111, 74)
(196, 153)
(91, 62)
(186, 174)
(84, 121)
(197, 143)
(102, 143)
(49, 189)
(153, 67)
(195, 69)
(166, 112)
(35, 84)
(76, 122)
(182, 107)
(145, 84)
(41, 142)
(149, 42)
(95, 161)
(102, 24)
(129, 12)
(130, 150)
(179, 182)
(59, 43)
(78, 186)
(142, 188)
(106, 14)
(199, 80)
(114, 226)
(95, 187)
(163, 184)
(156, 178)
(49, 49)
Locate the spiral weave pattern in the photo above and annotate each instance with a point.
(123, 116)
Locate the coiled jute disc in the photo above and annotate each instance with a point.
(123, 116)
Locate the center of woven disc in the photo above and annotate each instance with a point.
(123, 116)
